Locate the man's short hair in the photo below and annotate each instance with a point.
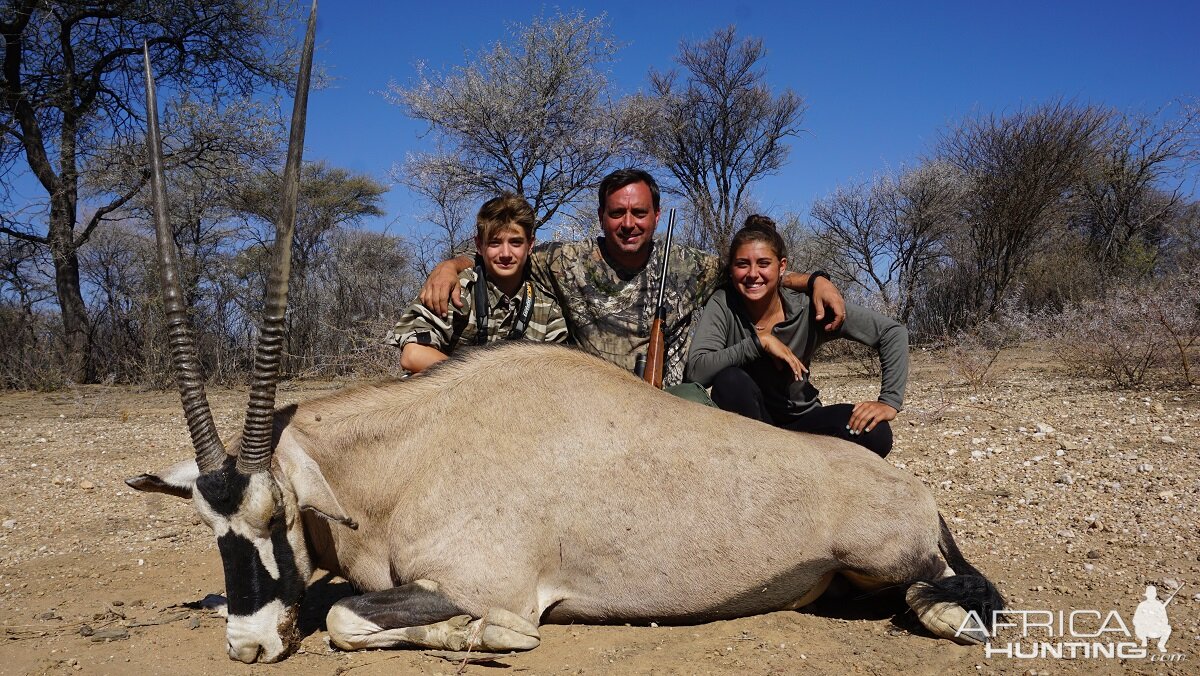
(499, 212)
(623, 177)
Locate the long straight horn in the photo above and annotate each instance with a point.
(209, 451)
(257, 446)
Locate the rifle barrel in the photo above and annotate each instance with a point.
(662, 273)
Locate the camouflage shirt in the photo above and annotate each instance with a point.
(609, 309)
(420, 325)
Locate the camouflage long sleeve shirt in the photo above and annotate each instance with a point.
(420, 325)
(609, 309)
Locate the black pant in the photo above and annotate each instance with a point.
(734, 390)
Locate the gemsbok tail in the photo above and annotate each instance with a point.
(945, 605)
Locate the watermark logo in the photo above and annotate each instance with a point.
(1078, 634)
(1150, 618)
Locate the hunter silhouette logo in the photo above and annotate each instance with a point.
(1078, 634)
(1150, 618)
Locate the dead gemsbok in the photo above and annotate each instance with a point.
(524, 484)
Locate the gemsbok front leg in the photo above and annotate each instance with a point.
(419, 615)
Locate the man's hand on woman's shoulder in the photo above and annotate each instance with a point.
(829, 303)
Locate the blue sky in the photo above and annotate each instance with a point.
(879, 79)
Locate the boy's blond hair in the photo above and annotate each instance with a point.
(500, 212)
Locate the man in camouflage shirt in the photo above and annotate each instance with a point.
(608, 287)
(515, 306)
(610, 308)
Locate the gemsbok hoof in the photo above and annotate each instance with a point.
(944, 618)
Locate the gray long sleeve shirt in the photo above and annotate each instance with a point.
(725, 337)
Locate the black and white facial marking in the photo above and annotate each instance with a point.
(264, 557)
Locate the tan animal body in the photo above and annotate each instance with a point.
(524, 484)
(536, 478)
(545, 483)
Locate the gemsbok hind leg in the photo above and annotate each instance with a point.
(950, 597)
(960, 604)
(418, 615)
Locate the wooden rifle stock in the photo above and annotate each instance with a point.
(656, 351)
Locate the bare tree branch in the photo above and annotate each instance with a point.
(531, 115)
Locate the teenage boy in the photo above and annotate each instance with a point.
(499, 300)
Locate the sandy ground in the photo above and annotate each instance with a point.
(1079, 513)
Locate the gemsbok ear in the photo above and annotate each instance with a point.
(178, 480)
(313, 493)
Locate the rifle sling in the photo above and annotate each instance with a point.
(520, 322)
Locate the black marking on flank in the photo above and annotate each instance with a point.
(410, 605)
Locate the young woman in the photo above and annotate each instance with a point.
(755, 338)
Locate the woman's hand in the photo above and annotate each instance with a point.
(867, 414)
(784, 357)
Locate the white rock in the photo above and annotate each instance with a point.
(1043, 428)
(1166, 439)
(10, 524)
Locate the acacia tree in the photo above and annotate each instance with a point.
(532, 115)
(69, 83)
(330, 198)
(447, 208)
(921, 212)
(23, 289)
(851, 219)
(1131, 194)
(1021, 170)
(891, 233)
(716, 127)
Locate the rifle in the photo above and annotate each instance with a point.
(1172, 596)
(650, 365)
